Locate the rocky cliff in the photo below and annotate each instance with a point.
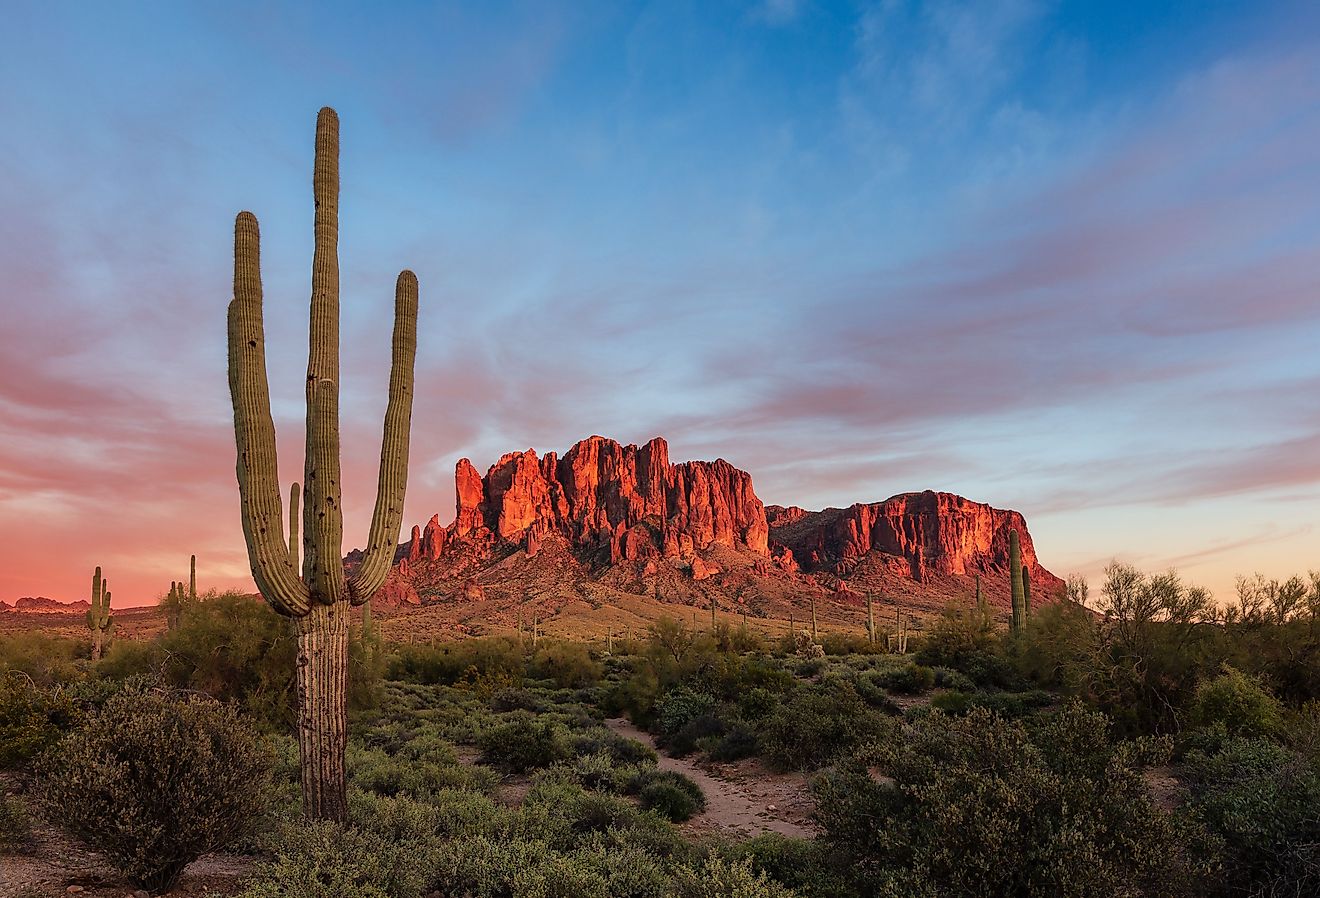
(920, 534)
(606, 521)
(624, 502)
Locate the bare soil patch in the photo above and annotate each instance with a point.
(743, 798)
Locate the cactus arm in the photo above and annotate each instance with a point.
(323, 519)
(192, 577)
(294, 493)
(383, 538)
(254, 431)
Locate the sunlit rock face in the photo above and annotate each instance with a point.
(932, 532)
(624, 518)
(627, 499)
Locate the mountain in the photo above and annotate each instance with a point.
(609, 524)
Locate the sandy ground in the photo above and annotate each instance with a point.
(743, 799)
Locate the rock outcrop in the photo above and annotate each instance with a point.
(627, 501)
(927, 532)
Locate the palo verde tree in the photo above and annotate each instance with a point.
(319, 599)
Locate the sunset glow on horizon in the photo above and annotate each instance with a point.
(1056, 257)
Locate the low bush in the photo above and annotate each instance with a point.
(1260, 799)
(14, 827)
(680, 706)
(674, 795)
(319, 859)
(1239, 704)
(738, 741)
(156, 779)
(718, 878)
(980, 805)
(685, 741)
(524, 743)
(818, 724)
(568, 664)
(32, 718)
(911, 679)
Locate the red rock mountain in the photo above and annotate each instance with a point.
(627, 502)
(606, 521)
(920, 534)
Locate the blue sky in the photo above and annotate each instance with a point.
(1060, 257)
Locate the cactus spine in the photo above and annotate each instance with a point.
(1016, 581)
(99, 619)
(318, 599)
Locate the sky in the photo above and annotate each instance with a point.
(1062, 257)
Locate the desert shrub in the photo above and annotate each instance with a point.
(718, 878)
(32, 718)
(44, 660)
(979, 805)
(516, 699)
(911, 679)
(379, 773)
(803, 865)
(156, 779)
(14, 826)
(319, 859)
(480, 867)
(673, 794)
(965, 639)
(680, 706)
(818, 724)
(946, 678)
(1238, 703)
(524, 743)
(1261, 800)
(696, 730)
(494, 660)
(230, 646)
(757, 703)
(620, 748)
(738, 741)
(849, 644)
(953, 702)
(1056, 647)
(569, 664)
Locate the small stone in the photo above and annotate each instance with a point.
(73, 890)
(141, 893)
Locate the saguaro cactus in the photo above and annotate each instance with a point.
(870, 620)
(192, 577)
(1016, 582)
(99, 619)
(1026, 596)
(317, 600)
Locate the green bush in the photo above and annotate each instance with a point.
(320, 859)
(14, 828)
(680, 706)
(818, 724)
(965, 639)
(911, 679)
(32, 718)
(524, 743)
(718, 878)
(569, 664)
(44, 660)
(673, 794)
(1261, 800)
(156, 779)
(803, 865)
(1238, 703)
(979, 805)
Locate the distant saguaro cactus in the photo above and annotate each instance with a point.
(318, 600)
(1016, 582)
(99, 619)
(192, 577)
(1026, 596)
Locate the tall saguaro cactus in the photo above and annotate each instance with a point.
(1016, 582)
(318, 600)
(99, 619)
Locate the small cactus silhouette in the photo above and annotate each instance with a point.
(99, 619)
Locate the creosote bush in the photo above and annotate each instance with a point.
(156, 779)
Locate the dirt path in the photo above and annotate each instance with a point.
(743, 799)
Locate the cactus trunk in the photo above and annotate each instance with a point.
(1015, 574)
(318, 599)
(322, 692)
